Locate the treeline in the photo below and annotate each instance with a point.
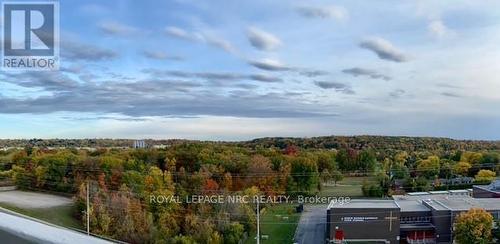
(79, 143)
(122, 181)
(379, 143)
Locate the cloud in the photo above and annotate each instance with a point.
(340, 87)
(48, 81)
(116, 29)
(445, 85)
(218, 42)
(212, 75)
(200, 37)
(161, 97)
(263, 40)
(76, 51)
(160, 55)
(313, 73)
(178, 32)
(397, 93)
(366, 72)
(269, 65)
(265, 78)
(439, 30)
(451, 94)
(384, 49)
(332, 11)
(117, 118)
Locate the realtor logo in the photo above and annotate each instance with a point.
(30, 36)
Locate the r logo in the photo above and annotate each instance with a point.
(30, 30)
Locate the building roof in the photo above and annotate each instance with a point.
(412, 206)
(493, 187)
(464, 204)
(364, 203)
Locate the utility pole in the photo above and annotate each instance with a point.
(88, 208)
(258, 220)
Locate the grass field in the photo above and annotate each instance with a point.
(61, 215)
(348, 187)
(275, 225)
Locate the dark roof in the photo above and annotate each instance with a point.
(493, 187)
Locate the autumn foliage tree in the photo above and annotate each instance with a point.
(473, 226)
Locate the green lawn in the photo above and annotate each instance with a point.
(62, 215)
(348, 187)
(275, 225)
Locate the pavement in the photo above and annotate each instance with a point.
(312, 225)
(24, 199)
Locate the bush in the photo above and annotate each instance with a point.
(372, 190)
(5, 175)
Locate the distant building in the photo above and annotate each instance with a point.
(457, 181)
(424, 217)
(139, 144)
(488, 191)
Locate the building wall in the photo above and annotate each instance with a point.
(443, 221)
(364, 223)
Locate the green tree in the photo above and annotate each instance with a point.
(233, 233)
(366, 160)
(337, 176)
(326, 160)
(473, 226)
(304, 174)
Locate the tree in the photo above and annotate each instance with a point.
(471, 157)
(326, 161)
(233, 233)
(473, 226)
(366, 160)
(325, 176)
(304, 174)
(462, 168)
(429, 167)
(446, 168)
(485, 175)
(399, 171)
(343, 160)
(337, 176)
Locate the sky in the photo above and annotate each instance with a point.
(237, 70)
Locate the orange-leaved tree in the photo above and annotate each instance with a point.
(473, 226)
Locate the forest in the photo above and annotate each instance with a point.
(121, 180)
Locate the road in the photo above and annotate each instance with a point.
(26, 199)
(8, 238)
(312, 225)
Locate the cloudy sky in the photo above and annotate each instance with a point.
(234, 70)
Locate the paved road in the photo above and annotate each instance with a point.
(26, 199)
(8, 238)
(312, 225)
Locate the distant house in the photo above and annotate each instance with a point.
(457, 181)
(488, 191)
(139, 144)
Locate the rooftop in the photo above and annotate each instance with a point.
(493, 187)
(412, 206)
(363, 203)
(463, 204)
